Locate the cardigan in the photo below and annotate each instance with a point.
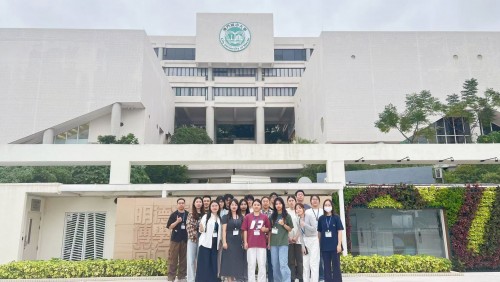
(205, 239)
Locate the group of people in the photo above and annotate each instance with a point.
(230, 239)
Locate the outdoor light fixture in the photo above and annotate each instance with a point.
(451, 159)
(494, 158)
(360, 160)
(405, 158)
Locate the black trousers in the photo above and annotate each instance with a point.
(206, 267)
(331, 261)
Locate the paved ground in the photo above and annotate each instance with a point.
(466, 277)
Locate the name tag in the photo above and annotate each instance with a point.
(328, 234)
(183, 226)
(274, 230)
(214, 234)
(236, 232)
(256, 232)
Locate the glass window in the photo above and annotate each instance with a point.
(279, 91)
(390, 231)
(235, 72)
(77, 135)
(179, 53)
(289, 54)
(186, 71)
(281, 72)
(190, 91)
(451, 130)
(235, 91)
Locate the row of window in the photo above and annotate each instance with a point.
(234, 91)
(190, 54)
(234, 72)
(77, 135)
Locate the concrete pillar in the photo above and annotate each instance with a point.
(210, 76)
(335, 173)
(160, 53)
(120, 172)
(48, 136)
(210, 121)
(210, 93)
(260, 94)
(116, 119)
(308, 54)
(259, 74)
(260, 137)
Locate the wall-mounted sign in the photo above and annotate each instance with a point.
(235, 36)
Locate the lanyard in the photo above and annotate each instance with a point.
(235, 221)
(183, 216)
(328, 222)
(315, 215)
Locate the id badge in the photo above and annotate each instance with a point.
(214, 234)
(183, 226)
(256, 232)
(328, 234)
(274, 230)
(236, 232)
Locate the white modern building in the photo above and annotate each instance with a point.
(235, 79)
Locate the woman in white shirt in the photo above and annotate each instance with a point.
(211, 235)
(310, 249)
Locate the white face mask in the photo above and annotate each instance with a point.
(328, 209)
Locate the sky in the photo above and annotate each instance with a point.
(291, 17)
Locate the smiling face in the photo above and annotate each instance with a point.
(299, 210)
(214, 207)
(233, 206)
(256, 206)
(206, 203)
(198, 204)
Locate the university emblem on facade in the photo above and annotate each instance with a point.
(235, 36)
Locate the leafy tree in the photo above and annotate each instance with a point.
(167, 173)
(190, 135)
(478, 111)
(473, 174)
(492, 137)
(111, 139)
(414, 121)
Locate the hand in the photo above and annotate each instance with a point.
(268, 246)
(179, 219)
(224, 246)
(281, 222)
(264, 229)
(246, 246)
(339, 249)
(304, 251)
(201, 228)
(290, 241)
(294, 240)
(302, 223)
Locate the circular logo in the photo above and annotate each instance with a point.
(235, 36)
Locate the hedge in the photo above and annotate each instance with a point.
(57, 268)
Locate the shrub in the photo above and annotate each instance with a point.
(394, 264)
(57, 268)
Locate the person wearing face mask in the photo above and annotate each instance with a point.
(330, 235)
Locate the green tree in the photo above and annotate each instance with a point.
(478, 111)
(492, 137)
(473, 174)
(190, 135)
(413, 123)
(167, 173)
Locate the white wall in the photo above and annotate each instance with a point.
(13, 202)
(52, 227)
(351, 92)
(260, 50)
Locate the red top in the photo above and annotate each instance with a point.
(251, 223)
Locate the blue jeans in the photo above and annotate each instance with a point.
(192, 257)
(279, 258)
(269, 267)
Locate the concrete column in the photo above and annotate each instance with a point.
(210, 76)
(120, 172)
(210, 121)
(259, 74)
(259, 125)
(210, 93)
(116, 119)
(160, 53)
(260, 94)
(308, 54)
(335, 173)
(48, 136)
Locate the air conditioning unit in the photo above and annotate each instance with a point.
(438, 173)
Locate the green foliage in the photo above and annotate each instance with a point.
(190, 135)
(476, 236)
(89, 175)
(472, 174)
(394, 264)
(413, 123)
(167, 173)
(491, 244)
(57, 268)
(385, 201)
(449, 199)
(111, 139)
(35, 174)
(492, 137)
(311, 171)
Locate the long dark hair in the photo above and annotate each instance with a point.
(197, 215)
(238, 211)
(331, 203)
(284, 213)
(209, 213)
(239, 208)
(218, 199)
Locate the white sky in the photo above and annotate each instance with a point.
(291, 17)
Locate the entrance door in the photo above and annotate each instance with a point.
(32, 229)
